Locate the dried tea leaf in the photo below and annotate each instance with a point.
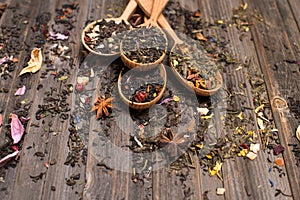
(17, 129)
(35, 62)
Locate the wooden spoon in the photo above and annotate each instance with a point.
(146, 5)
(126, 47)
(129, 10)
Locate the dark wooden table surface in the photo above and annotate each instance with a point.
(58, 154)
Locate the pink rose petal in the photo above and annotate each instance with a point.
(7, 158)
(17, 129)
(24, 119)
(20, 91)
(166, 100)
(57, 36)
(1, 120)
(3, 60)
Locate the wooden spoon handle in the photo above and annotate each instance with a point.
(157, 8)
(146, 6)
(129, 10)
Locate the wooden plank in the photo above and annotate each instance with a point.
(280, 82)
(294, 7)
(9, 26)
(47, 138)
(237, 188)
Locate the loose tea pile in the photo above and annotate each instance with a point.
(194, 66)
(144, 45)
(141, 87)
(104, 36)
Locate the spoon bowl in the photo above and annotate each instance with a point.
(107, 44)
(177, 43)
(142, 105)
(145, 46)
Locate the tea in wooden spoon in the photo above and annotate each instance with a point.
(102, 37)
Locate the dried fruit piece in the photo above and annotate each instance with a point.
(279, 161)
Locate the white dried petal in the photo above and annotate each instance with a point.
(96, 28)
(92, 73)
(220, 191)
(82, 80)
(93, 35)
(298, 133)
(251, 155)
(255, 148)
(202, 111)
(260, 123)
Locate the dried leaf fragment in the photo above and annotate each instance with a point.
(35, 63)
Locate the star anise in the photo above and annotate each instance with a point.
(174, 144)
(102, 106)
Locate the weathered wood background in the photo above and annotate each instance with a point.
(270, 45)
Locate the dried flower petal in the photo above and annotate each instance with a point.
(298, 133)
(203, 111)
(279, 161)
(58, 36)
(251, 155)
(17, 129)
(35, 62)
(220, 191)
(7, 158)
(278, 149)
(259, 108)
(260, 123)
(255, 148)
(216, 169)
(21, 91)
(199, 36)
(243, 152)
(1, 120)
(83, 80)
